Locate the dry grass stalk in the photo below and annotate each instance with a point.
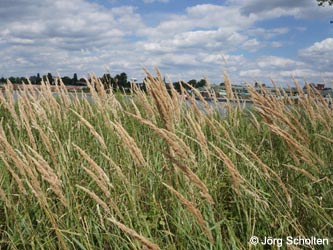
(228, 88)
(101, 219)
(147, 106)
(95, 198)
(28, 172)
(176, 99)
(207, 108)
(302, 171)
(102, 176)
(298, 87)
(99, 86)
(12, 154)
(210, 123)
(130, 143)
(194, 211)
(13, 140)
(175, 143)
(7, 104)
(293, 144)
(16, 178)
(9, 89)
(277, 90)
(40, 112)
(92, 129)
(255, 195)
(325, 138)
(48, 175)
(47, 143)
(150, 245)
(163, 101)
(324, 118)
(283, 117)
(255, 122)
(193, 178)
(236, 177)
(196, 130)
(261, 99)
(4, 198)
(26, 123)
(39, 194)
(267, 169)
(323, 111)
(194, 105)
(225, 134)
(136, 109)
(62, 90)
(27, 103)
(106, 102)
(101, 179)
(97, 92)
(118, 169)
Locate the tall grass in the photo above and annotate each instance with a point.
(156, 171)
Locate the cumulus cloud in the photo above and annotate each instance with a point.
(320, 55)
(201, 40)
(61, 29)
(262, 9)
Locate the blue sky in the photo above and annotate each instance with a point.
(252, 40)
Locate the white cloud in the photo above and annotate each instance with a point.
(319, 55)
(251, 73)
(276, 44)
(205, 39)
(252, 45)
(263, 9)
(274, 62)
(322, 48)
(51, 35)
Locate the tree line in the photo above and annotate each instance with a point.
(117, 82)
(37, 79)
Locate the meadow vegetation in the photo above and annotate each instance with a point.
(157, 171)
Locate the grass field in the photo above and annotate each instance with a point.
(157, 172)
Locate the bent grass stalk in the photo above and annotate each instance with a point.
(150, 245)
(193, 210)
(276, 153)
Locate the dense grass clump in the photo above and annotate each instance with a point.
(157, 171)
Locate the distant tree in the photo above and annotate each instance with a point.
(23, 80)
(323, 2)
(201, 83)
(12, 79)
(66, 80)
(109, 82)
(121, 80)
(2, 80)
(179, 84)
(192, 82)
(38, 80)
(75, 79)
(33, 79)
(49, 77)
